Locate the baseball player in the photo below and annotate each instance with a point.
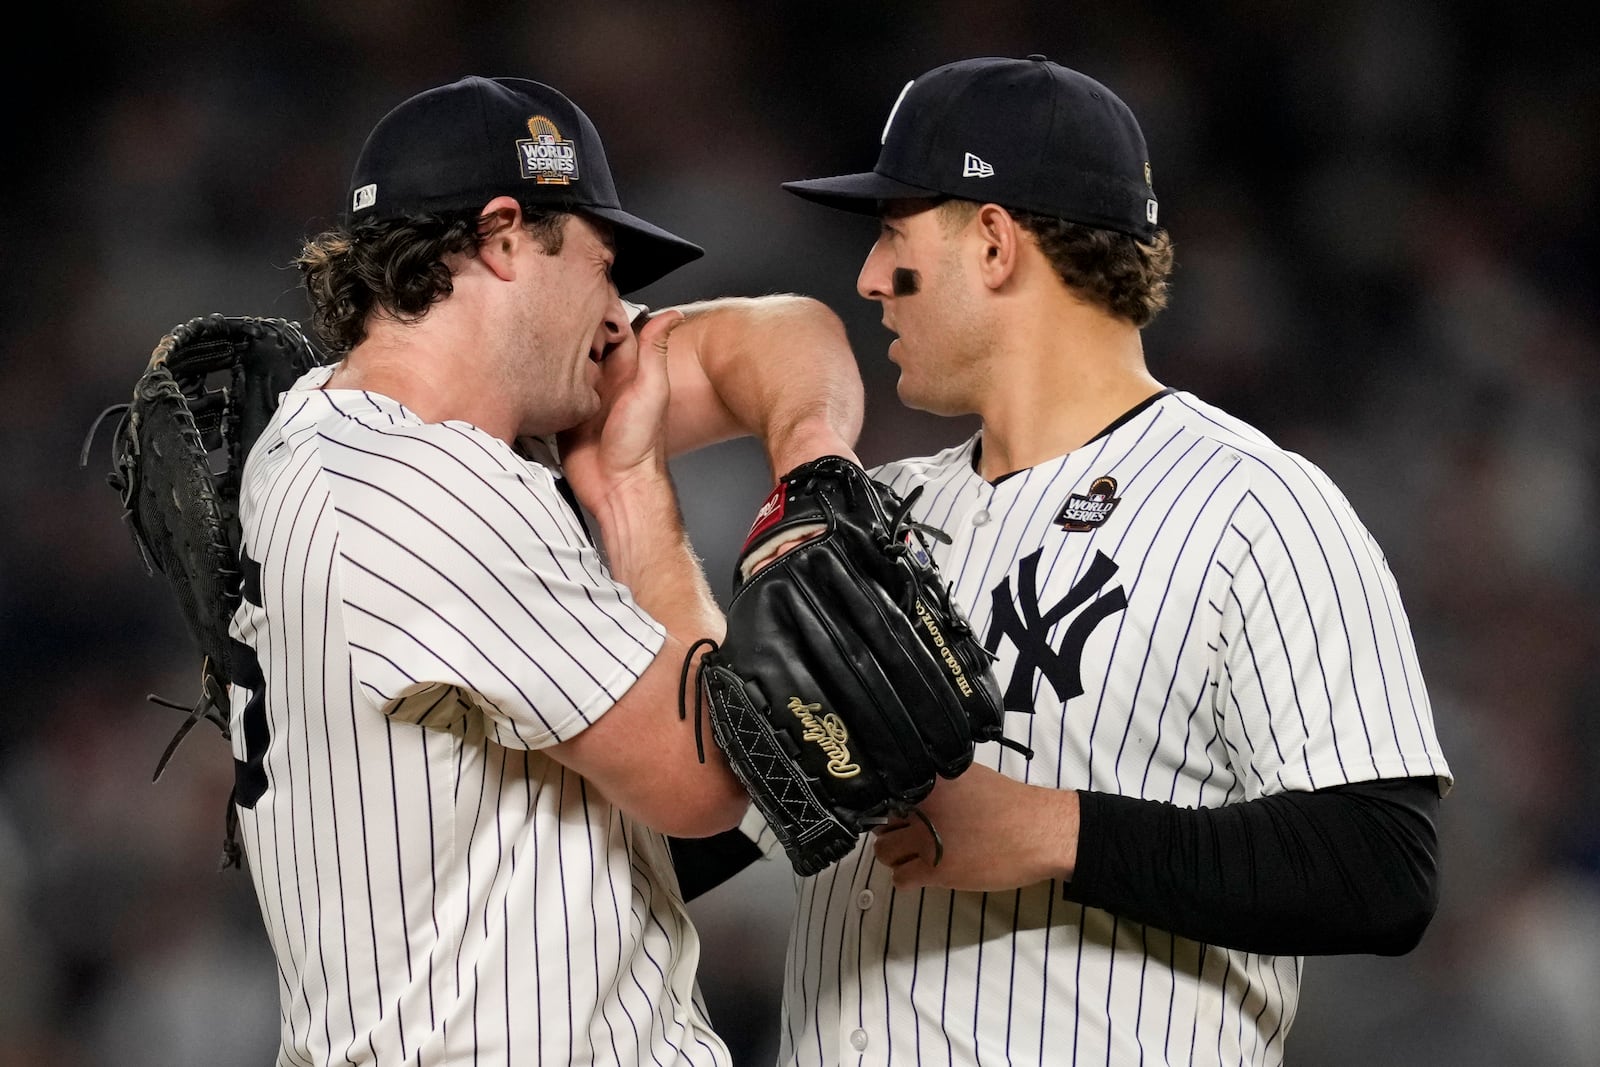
(457, 730)
(1233, 761)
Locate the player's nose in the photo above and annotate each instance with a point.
(873, 282)
(614, 325)
(612, 330)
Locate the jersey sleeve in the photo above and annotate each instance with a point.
(1320, 681)
(469, 586)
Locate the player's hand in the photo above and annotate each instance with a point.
(998, 834)
(626, 439)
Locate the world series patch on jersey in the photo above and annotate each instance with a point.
(1131, 591)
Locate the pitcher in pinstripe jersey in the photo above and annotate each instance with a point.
(457, 727)
(1233, 762)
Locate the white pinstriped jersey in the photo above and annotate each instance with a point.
(1195, 616)
(427, 614)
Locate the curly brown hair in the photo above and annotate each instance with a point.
(1124, 275)
(395, 267)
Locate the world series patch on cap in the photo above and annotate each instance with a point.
(458, 146)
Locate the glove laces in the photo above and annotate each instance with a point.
(900, 522)
(699, 692)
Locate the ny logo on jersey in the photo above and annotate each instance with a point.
(1028, 628)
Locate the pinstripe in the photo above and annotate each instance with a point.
(566, 927)
(856, 927)
(1149, 649)
(483, 613)
(1283, 642)
(916, 959)
(444, 621)
(309, 603)
(887, 1005)
(1166, 699)
(1116, 641)
(297, 807)
(944, 988)
(1201, 691)
(263, 632)
(1321, 488)
(411, 869)
(1306, 601)
(1259, 687)
(1260, 573)
(367, 868)
(638, 882)
(967, 561)
(490, 529)
(1218, 540)
(616, 914)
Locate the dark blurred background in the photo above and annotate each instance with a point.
(1385, 220)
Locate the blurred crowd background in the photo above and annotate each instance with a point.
(1385, 217)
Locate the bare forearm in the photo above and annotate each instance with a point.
(778, 367)
(649, 551)
(645, 753)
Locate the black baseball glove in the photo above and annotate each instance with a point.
(848, 681)
(198, 406)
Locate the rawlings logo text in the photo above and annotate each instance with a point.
(828, 732)
(945, 654)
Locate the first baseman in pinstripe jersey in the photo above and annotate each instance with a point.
(455, 718)
(1233, 760)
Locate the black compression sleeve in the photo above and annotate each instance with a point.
(1347, 869)
(703, 863)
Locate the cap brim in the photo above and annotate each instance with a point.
(645, 252)
(859, 193)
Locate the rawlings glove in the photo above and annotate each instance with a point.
(199, 404)
(848, 681)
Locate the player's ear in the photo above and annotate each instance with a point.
(500, 231)
(999, 244)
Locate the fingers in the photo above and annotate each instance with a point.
(897, 845)
(909, 870)
(658, 328)
(650, 364)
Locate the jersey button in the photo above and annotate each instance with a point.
(980, 517)
(864, 899)
(858, 1040)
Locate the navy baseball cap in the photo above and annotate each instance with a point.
(458, 146)
(1027, 134)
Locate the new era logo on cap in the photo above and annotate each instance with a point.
(973, 167)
